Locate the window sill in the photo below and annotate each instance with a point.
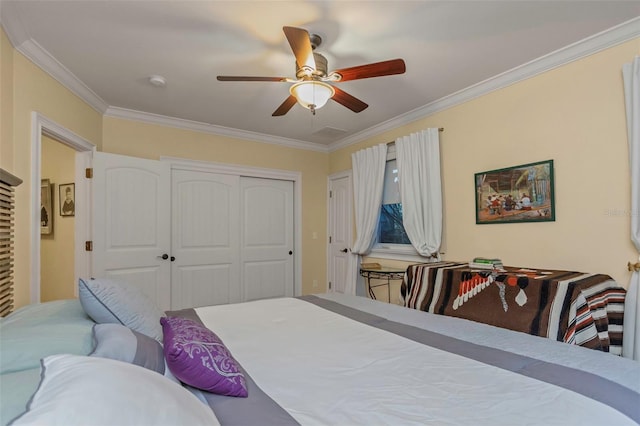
(397, 252)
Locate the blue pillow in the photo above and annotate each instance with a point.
(115, 341)
(110, 301)
(118, 342)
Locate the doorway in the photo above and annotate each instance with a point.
(43, 129)
(57, 229)
(340, 230)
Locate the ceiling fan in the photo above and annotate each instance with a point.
(311, 87)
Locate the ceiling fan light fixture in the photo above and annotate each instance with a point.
(311, 87)
(312, 94)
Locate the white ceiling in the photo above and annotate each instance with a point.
(106, 50)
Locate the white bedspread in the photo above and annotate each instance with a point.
(324, 368)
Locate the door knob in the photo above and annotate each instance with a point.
(344, 250)
(290, 252)
(173, 258)
(163, 257)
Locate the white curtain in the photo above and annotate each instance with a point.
(631, 331)
(368, 181)
(418, 158)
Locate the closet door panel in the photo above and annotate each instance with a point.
(204, 239)
(264, 280)
(205, 285)
(266, 235)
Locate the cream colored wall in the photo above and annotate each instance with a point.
(574, 115)
(6, 102)
(57, 249)
(34, 90)
(152, 141)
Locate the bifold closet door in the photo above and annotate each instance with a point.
(205, 239)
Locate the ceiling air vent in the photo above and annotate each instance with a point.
(330, 132)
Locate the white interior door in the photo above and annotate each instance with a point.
(340, 233)
(266, 238)
(131, 226)
(205, 239)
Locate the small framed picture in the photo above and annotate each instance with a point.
(67, 199)
(46, 213)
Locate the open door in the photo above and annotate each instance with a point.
(131, 226)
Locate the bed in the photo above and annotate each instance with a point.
(329, 359)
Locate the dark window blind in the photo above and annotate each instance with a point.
(8, 182)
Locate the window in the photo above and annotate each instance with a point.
(392, 241)
(390, 228)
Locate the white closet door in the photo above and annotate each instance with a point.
(205, 239)
(131, 225)
(266, 235)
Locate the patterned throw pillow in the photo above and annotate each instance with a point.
(197, 357)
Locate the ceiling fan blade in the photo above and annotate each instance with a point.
(244, 78)
(285, 107)
(301, 46)
(351, 102)
(378, 69)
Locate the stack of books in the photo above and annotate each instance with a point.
(486, 263)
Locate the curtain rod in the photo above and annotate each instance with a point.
(440, 129)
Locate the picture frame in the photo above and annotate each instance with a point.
(67, 199)
(46, 203)
(523, 193)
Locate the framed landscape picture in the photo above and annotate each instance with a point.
(515, 194)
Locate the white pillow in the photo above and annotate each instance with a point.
(79, 390)
(110, 301)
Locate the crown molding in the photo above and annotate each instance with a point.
(196, 126)
(578, 50)
(23, 43)
(38, 55)
(43, 59)
(11, 23)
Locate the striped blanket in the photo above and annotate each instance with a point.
(568, 306)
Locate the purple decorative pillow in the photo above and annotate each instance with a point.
(197, 357)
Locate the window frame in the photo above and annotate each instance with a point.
(394, 251)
